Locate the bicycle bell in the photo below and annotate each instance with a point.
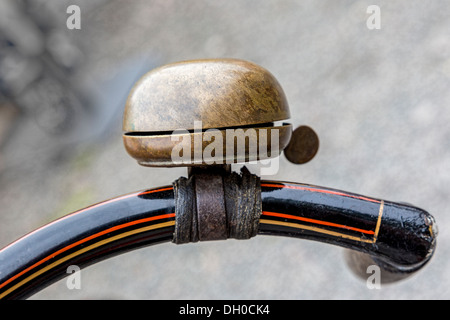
(182, 114)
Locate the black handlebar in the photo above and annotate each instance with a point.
(85, 237)
(400, 238)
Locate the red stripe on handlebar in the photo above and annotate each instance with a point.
(272, 185)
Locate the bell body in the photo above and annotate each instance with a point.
(205, 111)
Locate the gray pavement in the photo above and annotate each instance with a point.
(378, 99)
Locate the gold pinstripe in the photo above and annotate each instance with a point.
(171, 223)
(88, 248)
(331, 233)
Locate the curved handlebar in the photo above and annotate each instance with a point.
(85, 237)
(401, 238)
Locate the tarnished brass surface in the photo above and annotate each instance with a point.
(220, 93)
(156, 150)
(223, 94)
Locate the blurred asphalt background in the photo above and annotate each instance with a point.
(378, 99)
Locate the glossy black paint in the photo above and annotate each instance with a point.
(405, 241)
(69, 229)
